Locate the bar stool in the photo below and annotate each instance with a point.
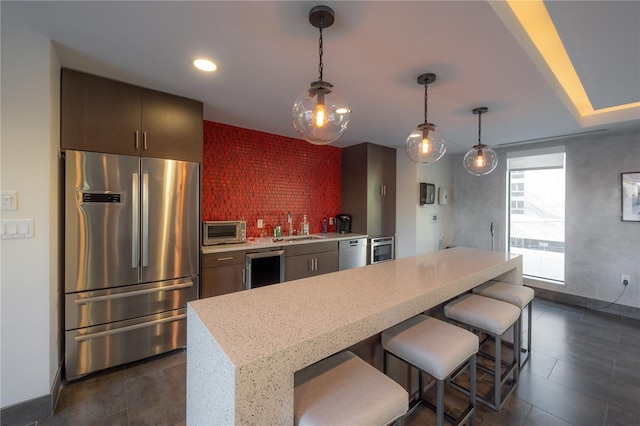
(494, 318)
(517, 295)
(344, 389)
(436, 348)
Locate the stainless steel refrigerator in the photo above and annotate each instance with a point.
(131, 257)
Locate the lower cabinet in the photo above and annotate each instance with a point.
(308, 260)
(222, 273)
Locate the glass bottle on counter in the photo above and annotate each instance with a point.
(324, 225)
(305, 226)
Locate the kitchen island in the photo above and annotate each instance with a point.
(244, 347)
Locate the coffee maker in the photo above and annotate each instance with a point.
(343, 223)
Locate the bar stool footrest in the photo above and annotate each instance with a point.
(487, 399)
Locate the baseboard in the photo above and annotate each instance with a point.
(29, 412)
(586, 302)
(55, 388)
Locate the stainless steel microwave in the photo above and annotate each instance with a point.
(224, 232)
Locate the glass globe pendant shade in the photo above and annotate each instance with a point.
(426, 144)
(320, 114)
(480, 160)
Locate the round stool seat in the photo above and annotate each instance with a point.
(517, 295)
(344, 389)
(432, 345)
(488, 314)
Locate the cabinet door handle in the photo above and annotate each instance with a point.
(222, 259)
(244, 276)
(144, 141)
(137, 141)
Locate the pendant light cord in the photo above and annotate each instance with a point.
(426, 98)
(320, 52)
(479, 127)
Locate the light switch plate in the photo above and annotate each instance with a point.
(13, 229)
(9, 200)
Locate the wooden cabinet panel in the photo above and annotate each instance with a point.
(103, 115)
(311, 248)
(388, 203)
(214, 260)
(172, 126)
(98, 114)
(222, 273)
(326, 262)
(369, 188)
(309, 265)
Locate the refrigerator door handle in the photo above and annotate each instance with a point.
(135, 221)
(145, 220)
(86, 300)
(129, 328)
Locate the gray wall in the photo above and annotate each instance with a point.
(598, 246)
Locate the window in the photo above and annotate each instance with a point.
(536, 211)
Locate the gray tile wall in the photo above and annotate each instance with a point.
(599, 247)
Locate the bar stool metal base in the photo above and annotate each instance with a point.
(500, 395)
(467, 414)
(514, 294)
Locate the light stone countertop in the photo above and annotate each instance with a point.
(256, 244)
(244, 347)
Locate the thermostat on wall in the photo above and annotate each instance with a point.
(443, 196)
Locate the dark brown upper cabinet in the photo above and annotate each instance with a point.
(102, 115)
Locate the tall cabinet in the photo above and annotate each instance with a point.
(369, 188)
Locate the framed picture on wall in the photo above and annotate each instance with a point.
(630, 196)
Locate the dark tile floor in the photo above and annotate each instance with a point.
(584, 370)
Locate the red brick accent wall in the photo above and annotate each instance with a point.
(251, 175)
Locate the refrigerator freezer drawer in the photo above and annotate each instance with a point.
(95, 348)
(90, 308)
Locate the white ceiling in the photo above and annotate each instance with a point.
(267, 53)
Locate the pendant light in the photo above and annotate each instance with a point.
(320, 114)
(480, 160)
(425, 144)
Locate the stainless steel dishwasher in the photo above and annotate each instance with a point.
(352, 253)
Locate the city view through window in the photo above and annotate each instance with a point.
(536, 216)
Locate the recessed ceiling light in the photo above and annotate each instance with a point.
(205, 65)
